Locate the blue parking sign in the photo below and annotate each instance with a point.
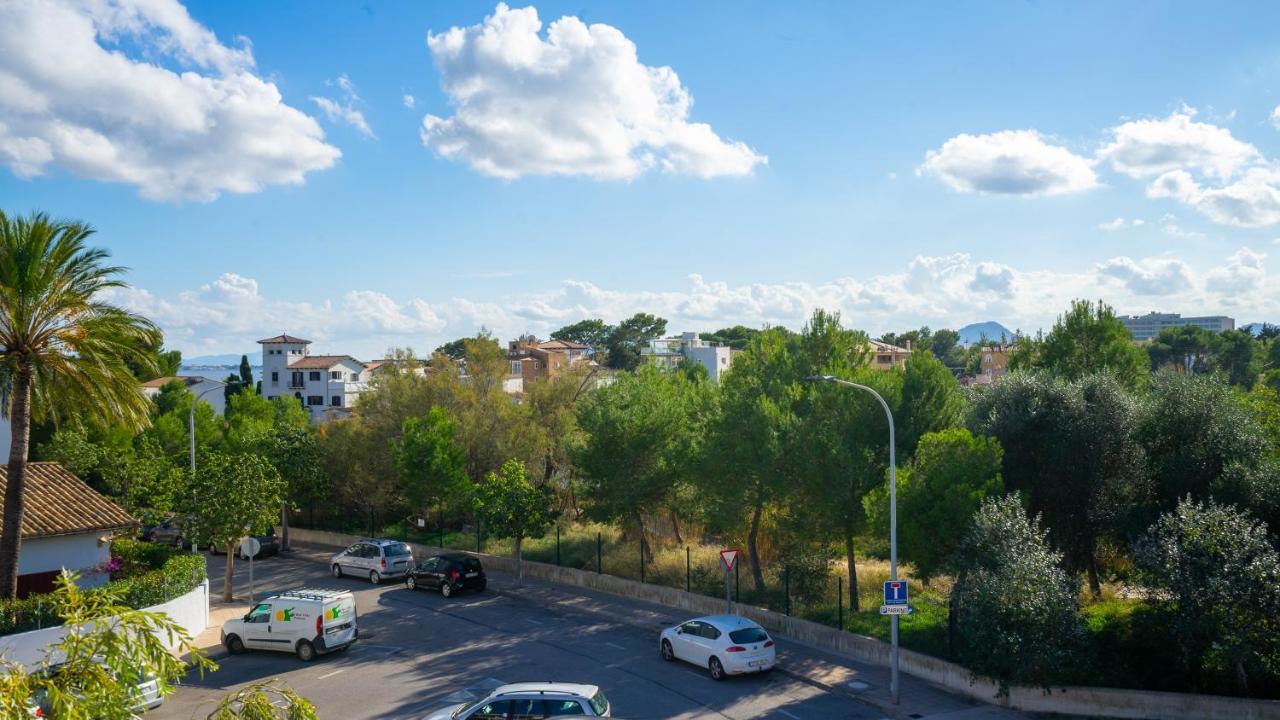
(895, 592)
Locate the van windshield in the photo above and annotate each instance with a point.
(396, 550)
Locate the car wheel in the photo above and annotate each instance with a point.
(446, 588)
(306, 651)
(234, 644)
(411, 583)
(667, 653)
(374, 577)
(716, 669)
(483, 585)
(337, 570)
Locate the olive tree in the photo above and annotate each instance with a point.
(511, 506)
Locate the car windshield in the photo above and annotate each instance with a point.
(748, 635)
(396, 550)
(599, 703)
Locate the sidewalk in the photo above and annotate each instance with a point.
(869, 684)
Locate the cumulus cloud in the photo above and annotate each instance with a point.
(408, 100)
(1120, 224)
(138, 92)
(1009, 162)
(576, 101)
(230, 312)
(1251, 201)
(343, 110)
(1143, 148)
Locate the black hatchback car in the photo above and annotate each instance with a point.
(447, 573)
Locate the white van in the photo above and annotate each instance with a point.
(305, 622)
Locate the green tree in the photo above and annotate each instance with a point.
(630, 429)
(89, 672)
(594, 333)
(170, 423)
(459, 349)
(233, 496)
(246, 372)
(156, 362)
(1013, 608)
(357, 466)
(433, 467)
(629, 336)
(64, 349)
(511, 506)
(265, 700)
(1213, 569)
(1088, 339)
(1186, 347)
(737, 337)
(952, 473)
(931, 401)
(1238, 355)
(294, 451)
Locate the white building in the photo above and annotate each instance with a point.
(666, 353)
(1146, 327)
(65, 524)
(209, 391)
(327, 385)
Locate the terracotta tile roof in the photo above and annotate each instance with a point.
(59, 503)
(562, 345)
(162, 381)
(320, 362)
(877, 346)
(284, 339)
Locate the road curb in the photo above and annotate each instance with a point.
(656, 628)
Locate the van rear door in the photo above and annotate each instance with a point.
(339, 622)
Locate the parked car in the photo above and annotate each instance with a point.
(531, 700)
(373, 559)
(723, 644)
(146, 692)
(305, 622)
(168, 531)
(449, 573)
(269, 545)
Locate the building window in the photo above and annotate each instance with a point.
(336, 401)
(315, 376)
(537, 365)
(355, 377)
(335, 374)
(515, 367)
(315, 399)
(295, 379)
(275, 378)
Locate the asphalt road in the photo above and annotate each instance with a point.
(419, 651)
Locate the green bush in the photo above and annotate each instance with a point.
(137, 557)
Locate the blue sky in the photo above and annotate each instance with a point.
(904, 164)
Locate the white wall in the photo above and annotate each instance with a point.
(191, 611)
(715, 359)
(73, 552)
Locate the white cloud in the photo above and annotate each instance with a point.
(231, 312)
(1142, 148)
(1251, 201)
(1275, 116)
(408, 100)
(344, 110)
(575, 102)
(1009, 162)
(88, 86)
(1120, 224)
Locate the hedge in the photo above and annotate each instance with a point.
(178, 575)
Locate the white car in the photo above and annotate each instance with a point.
(306, 622)
(525, 701)
(723, 644)
(373, 559)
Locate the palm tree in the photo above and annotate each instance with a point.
(63, 349)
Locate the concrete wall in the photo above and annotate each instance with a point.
(73, 552)
(191, 611)
(1090, 701)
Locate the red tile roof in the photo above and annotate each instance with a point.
(59, 503)
(284, 339)
(320, 362)
(562, 344)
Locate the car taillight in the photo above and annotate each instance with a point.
(769, 644)
(453, 575)
(735, 648)
(319, 624)
(384, 563)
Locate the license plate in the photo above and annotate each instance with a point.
(472, 574)
(756, 663)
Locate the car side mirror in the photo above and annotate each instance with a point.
(245, 618)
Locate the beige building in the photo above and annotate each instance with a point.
(884, 356)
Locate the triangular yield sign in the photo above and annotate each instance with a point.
(728, 558)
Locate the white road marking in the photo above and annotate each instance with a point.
(784, 712)
(329, 675)
(620, 647)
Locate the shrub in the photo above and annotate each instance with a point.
(1013, 608)
(137, 557)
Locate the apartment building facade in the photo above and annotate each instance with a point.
(1146, 327)
(667, 353)
(326, 385)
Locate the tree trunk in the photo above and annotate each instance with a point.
(519, 574)
(646, 553)
(953, 617)
(230, 547)
(15, 494)
(284, 526)
(753, 552)
(675, 526)
(853, 574)
(1095, 586)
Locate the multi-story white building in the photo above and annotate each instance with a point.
(1146, 327)
(326, 385)
(666, 353)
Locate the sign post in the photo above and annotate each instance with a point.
(728, 560)
(250, 547)
(895, 599)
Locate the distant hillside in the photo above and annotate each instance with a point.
(221, 360)
(991, 329)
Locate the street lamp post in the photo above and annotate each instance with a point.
(893, 519)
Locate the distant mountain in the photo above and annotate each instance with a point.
(217, 360)
(991, 329)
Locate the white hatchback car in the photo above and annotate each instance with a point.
(723, 644)
(530, 700)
